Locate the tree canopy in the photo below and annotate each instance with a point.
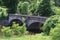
(31, 7)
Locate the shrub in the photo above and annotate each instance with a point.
(7, 32)
(19, 30)
(55, 33)
(51, 23)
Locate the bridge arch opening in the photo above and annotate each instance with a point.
(17, 21)
(35, 27)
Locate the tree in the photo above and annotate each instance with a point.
(0, 2)
(44, 8)
(55, 6)
(57, 2)
(11, 5)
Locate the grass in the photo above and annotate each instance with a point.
(28, 37)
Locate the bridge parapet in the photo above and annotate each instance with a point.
(28, 18)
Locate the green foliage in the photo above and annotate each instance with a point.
(55, 33)
(18, 30)
(3, 12)
(57, 3)
(7, 32)
(44, 8)
(28, 7)
(29, 37)
(51, 23)
(55, 9)
(14, 30)
(0, 2)
(11, 5)
(33, 7)
(23, 7)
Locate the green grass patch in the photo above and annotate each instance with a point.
(28, 37)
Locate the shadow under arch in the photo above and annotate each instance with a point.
(35, 27)
(17, 21)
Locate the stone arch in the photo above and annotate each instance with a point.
(35, 27)
(17, 21)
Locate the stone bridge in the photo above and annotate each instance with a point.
(32, 22)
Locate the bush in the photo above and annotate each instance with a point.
(7, 32)
(14, 30)
(51, 23)
(18, 30)
(55, 33)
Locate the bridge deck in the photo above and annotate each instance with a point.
(27, 16)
